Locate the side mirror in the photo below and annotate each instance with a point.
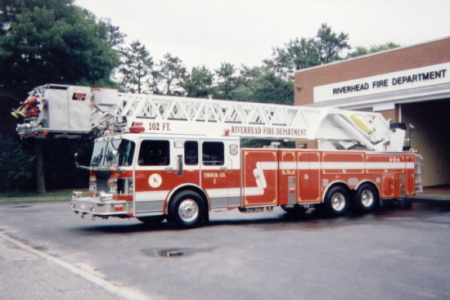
(409, 139)
(78, 166)
(411, 130)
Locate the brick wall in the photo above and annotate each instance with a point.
(400, 59)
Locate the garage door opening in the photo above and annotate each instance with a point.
(431, 120)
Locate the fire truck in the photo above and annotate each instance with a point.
(162, 157)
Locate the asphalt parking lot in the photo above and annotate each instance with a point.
(47, 252)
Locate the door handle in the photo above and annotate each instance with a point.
(180, 165)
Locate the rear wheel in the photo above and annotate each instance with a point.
(187, 209)
(336, 201)
(366, 198)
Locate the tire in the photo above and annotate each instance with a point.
(366, 198)
(187, 210)
(152, 220)
(336, 201)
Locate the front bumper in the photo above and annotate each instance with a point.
(93, 205)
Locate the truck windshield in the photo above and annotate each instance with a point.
(113, 153)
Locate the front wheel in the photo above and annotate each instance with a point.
(336, 201)
(187, 209)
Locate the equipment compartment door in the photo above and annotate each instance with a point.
(389, 187)
(308, 176)
(260, 177)
(287, 177)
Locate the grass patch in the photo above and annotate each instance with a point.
(30, 196)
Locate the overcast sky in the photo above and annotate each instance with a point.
(209, 32)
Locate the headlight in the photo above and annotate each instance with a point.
(76, 195)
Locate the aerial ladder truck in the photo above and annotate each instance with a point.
(161, 157)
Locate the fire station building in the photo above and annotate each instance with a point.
(409, 84)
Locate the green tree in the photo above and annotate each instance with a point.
(16, 164)
(359, 50)
(198, 83)
(115, 37)
(45, 41)
(261, 84)
(297, 54)
(137, 68)
(330, 44)
(227, 82)
(302, 53)
(167, 79)
(383, 47)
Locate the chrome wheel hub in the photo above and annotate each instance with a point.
(188, 210)
(367, 198)
(338, 202)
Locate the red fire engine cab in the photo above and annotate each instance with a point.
(159, 157)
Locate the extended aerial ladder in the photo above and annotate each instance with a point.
(54, 110)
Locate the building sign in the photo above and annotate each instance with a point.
(390, 82)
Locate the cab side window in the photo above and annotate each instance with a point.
(191, 153)
(154, 153)
(213, 153)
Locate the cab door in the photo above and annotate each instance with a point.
(213, 172)
(188, 161)
(155, 175)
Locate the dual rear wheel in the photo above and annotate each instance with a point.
(338, 200)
